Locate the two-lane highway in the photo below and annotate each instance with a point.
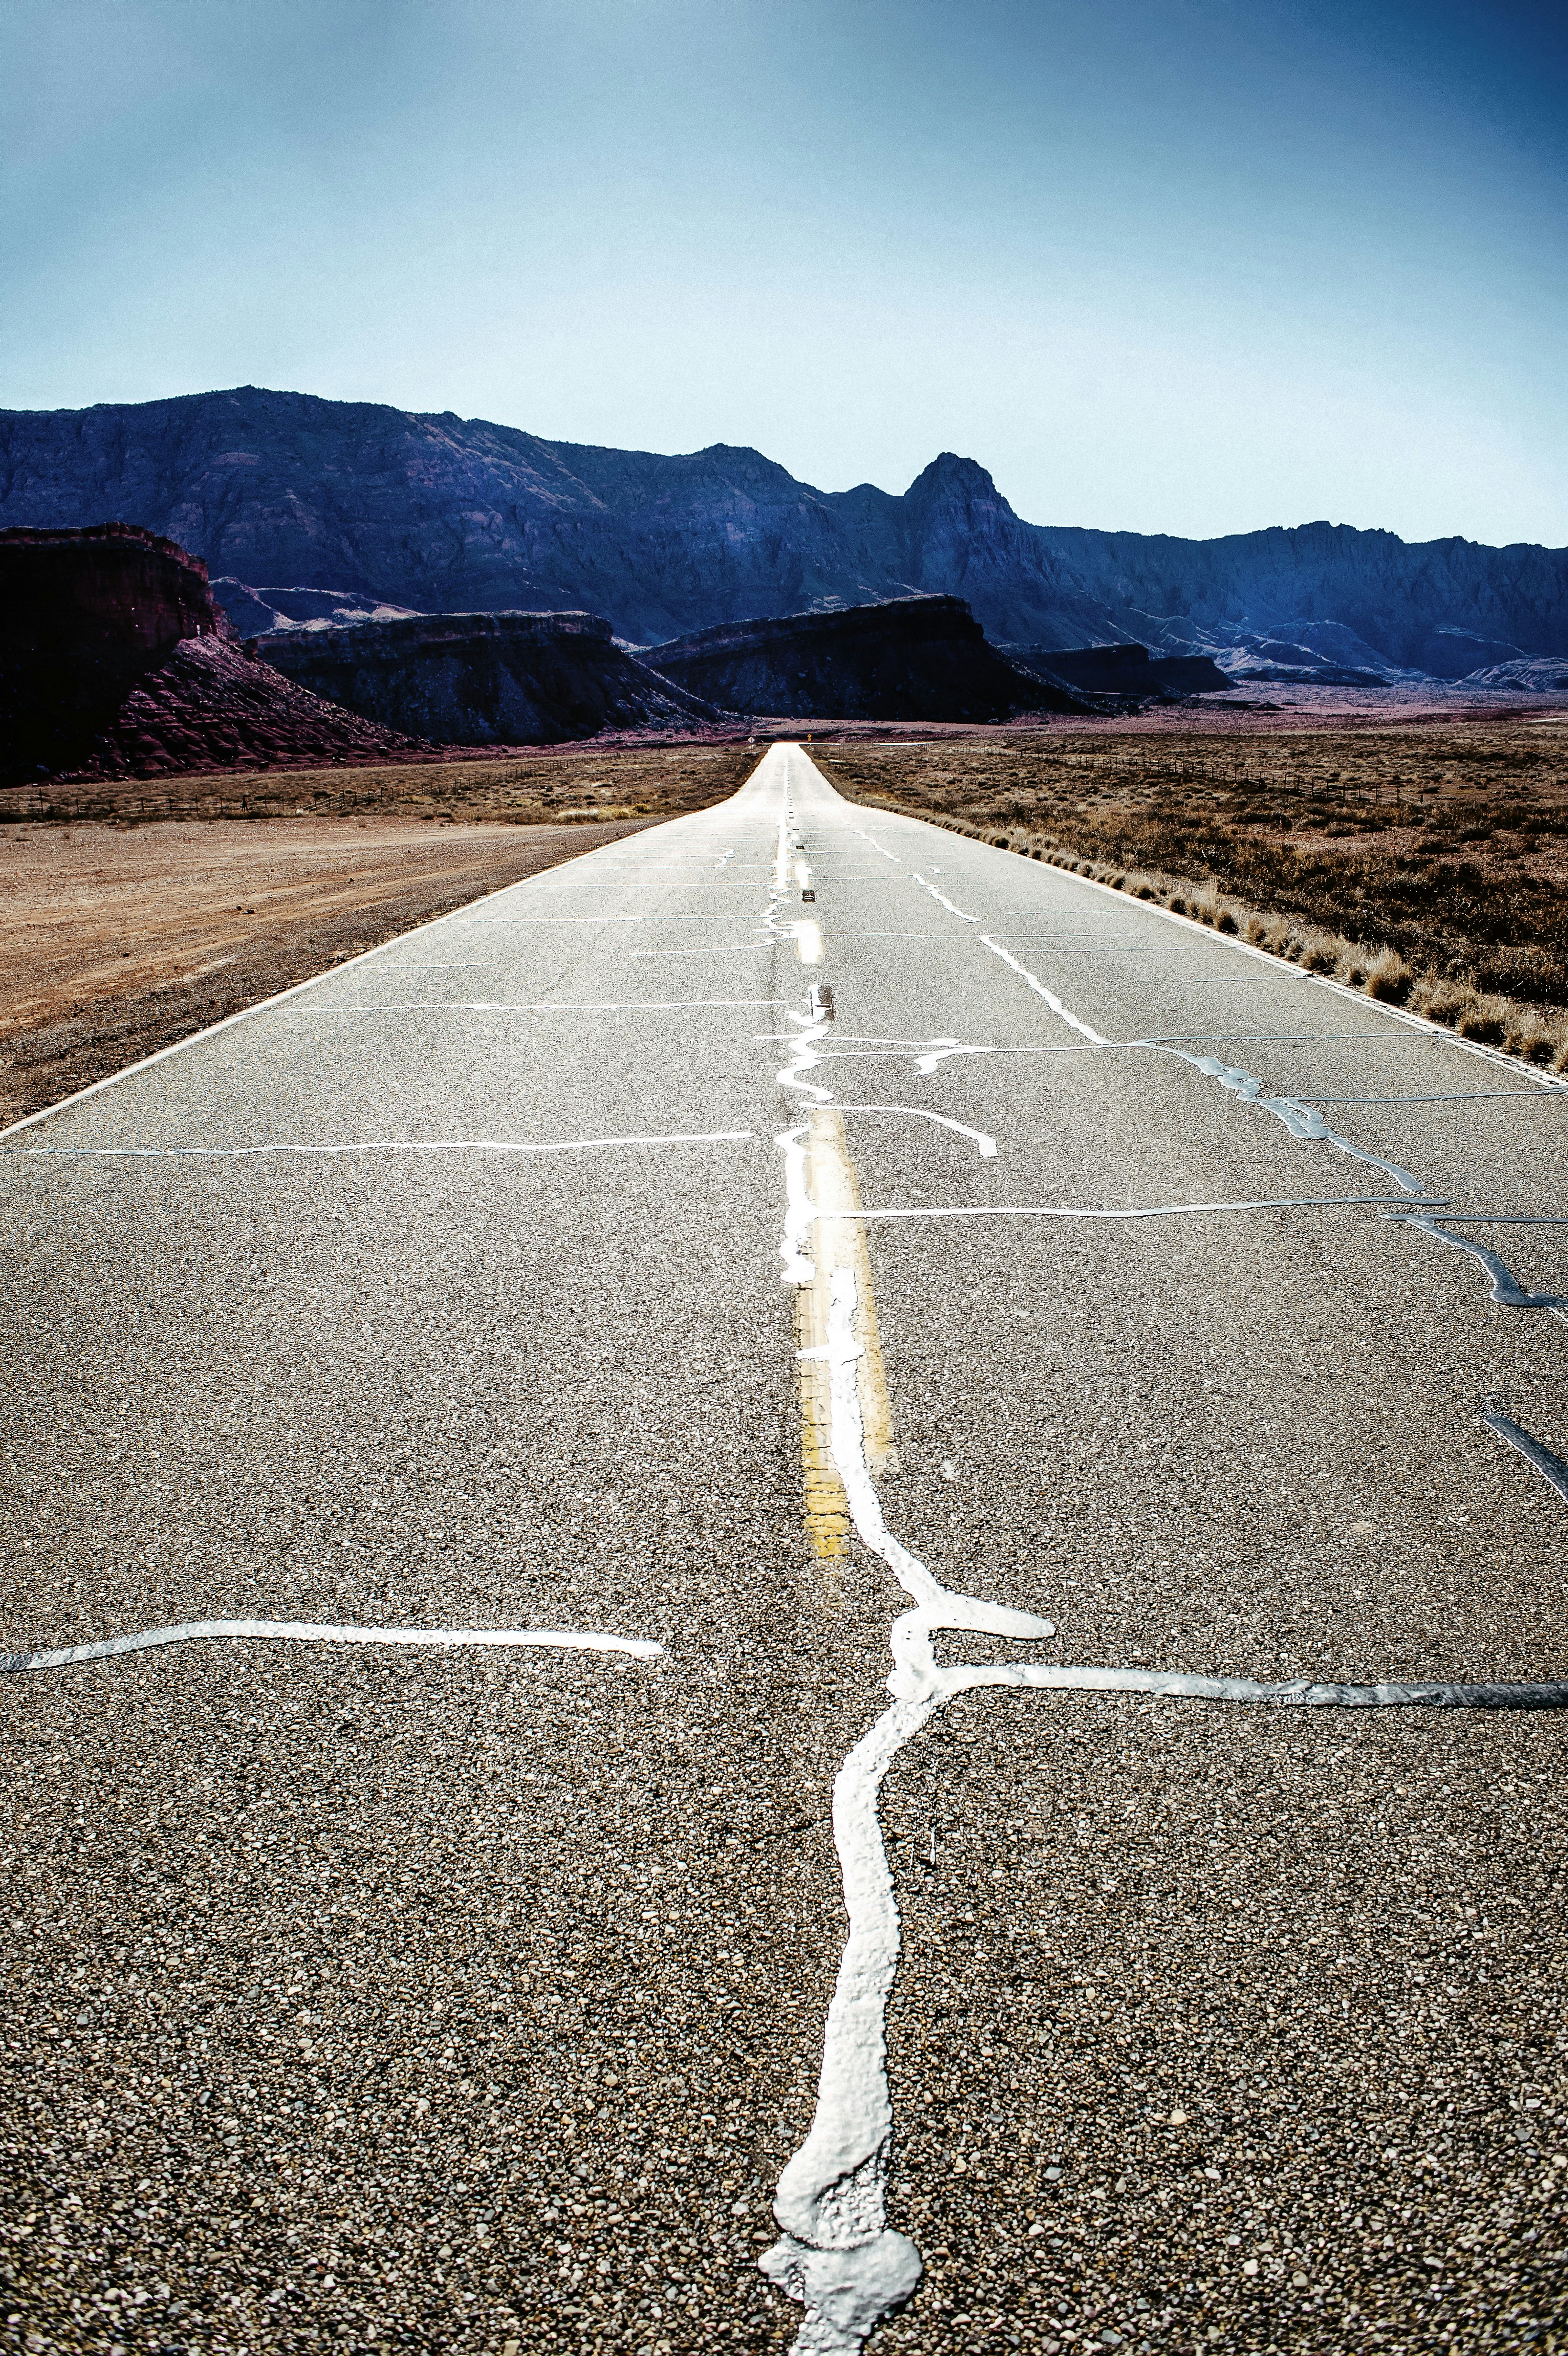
(795, 1363)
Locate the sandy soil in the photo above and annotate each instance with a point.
(118, 941)
(148, 909)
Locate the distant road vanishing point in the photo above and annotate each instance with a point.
(803, 1582)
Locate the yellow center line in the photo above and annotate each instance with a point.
(839, 1240)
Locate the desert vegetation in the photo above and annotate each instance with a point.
(613, 780)
(1427, 864)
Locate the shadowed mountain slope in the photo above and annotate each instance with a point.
(1124, 670)
(442, 513)
(909, 659)
(484, 678)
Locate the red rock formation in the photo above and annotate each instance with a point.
(212, 706)
(115, 662)
(111, 589)
(82, 616)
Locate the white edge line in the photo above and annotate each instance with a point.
(1358, 998)
(244, 1013)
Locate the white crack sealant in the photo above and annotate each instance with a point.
(925, 1054)
(1136, 1211)
(1551, 1467)
(836, 2255)
(1507, 1291)
(310, 1632)
(1301, 1120)
(378, 1145)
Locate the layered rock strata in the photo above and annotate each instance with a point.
(486, 679)
(84, 615)
(1124, 670)
(115, 662)
(905, 658)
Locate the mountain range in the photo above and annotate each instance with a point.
(437, 513)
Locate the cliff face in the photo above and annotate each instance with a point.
(1443, 607)
(205, 706)
(111, 590)
(911, 659)
(115, 662)
(484, 678)
(83, 615)
(439, 513)
(1125, 671)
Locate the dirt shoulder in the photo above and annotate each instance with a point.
(115, 945)
(124, 932)
(1427, 862)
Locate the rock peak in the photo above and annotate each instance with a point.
(951, 476)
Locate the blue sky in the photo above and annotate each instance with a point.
(1192, 268)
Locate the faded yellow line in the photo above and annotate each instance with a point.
(839, 1240)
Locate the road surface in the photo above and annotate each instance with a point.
(543, 1380)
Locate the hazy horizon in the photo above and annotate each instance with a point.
(1202, 269)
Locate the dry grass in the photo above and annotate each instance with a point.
(1426, 865)
(612, 781)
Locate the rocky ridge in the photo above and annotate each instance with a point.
(903, 659)
(1123, 671)
(484, 678)
(442, 513)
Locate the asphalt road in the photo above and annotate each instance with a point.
(474, 1996)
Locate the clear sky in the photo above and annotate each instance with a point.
(1168, 266)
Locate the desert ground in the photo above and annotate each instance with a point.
(123, 934)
